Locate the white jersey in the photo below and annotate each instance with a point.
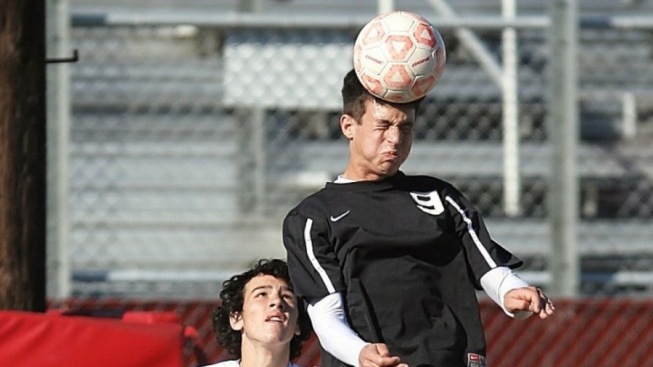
(236, 363)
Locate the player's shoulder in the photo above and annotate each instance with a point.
(315, 203)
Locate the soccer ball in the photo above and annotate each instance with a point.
(399, 56)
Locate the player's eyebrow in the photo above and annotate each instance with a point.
(269, 287)
(385, 122)
(261, 287)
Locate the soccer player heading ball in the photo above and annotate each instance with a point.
(389, 263)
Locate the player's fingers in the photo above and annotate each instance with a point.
(378, 355)
(389, 361)
(551, 306)
(382, 350)
(543, 305)
(517, 301)
(385, 359)
(547, 310)
(539, 301)
(382, 362)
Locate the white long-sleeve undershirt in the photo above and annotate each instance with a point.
(332, 329)
(499, 281)
(336, 336)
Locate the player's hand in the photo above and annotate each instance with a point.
(378, 355)
(529, 299)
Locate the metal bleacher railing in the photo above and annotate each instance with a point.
(193, 133)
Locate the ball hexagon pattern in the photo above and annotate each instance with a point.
(399, 56)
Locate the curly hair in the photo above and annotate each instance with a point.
(354, 96)
(232, 298)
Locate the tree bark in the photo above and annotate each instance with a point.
(22, 155)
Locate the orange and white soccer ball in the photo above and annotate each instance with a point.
(399, 56)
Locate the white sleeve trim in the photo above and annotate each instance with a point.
(332, 329)
(499, 281)
(472, 232)
(311, 256)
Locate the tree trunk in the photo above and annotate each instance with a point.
(22, 155)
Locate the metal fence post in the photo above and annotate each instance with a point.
(563, 185)
(251, 161)
(58, 130)
(385, 6)
(510, 119)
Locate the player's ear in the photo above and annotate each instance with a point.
(236, 320)
(347, 126)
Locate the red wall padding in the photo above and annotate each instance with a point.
(587, 332)
(583, 332)
(52, 340)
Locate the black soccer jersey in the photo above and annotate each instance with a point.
(407, 253)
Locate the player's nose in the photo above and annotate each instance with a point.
(393, 134)
(276, 301)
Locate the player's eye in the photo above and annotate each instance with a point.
(382, 125)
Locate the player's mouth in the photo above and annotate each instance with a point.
(392, 154)
(277, 317)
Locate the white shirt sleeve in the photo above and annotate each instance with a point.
(499, 281)
(332, 329)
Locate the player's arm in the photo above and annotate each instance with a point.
(315, 272)
(505, 288)
(516, 297)
(336, 337)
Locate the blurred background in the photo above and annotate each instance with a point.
(187, 130)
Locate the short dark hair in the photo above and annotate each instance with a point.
(232, 297)
(354, 96)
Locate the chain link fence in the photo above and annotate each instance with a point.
(190, 142)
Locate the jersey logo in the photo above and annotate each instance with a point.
(335, 219)
(475, 360)
(428, 202)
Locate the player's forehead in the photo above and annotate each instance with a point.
(265, 281)
(377, 111)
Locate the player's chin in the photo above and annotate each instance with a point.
(392, 163)
(388, 169)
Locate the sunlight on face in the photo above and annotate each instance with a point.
(381, 142)
(269, 315)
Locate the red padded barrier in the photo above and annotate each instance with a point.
(584, 332)
(54, 340)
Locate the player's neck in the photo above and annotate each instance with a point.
(258, 356)
(353, 175)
